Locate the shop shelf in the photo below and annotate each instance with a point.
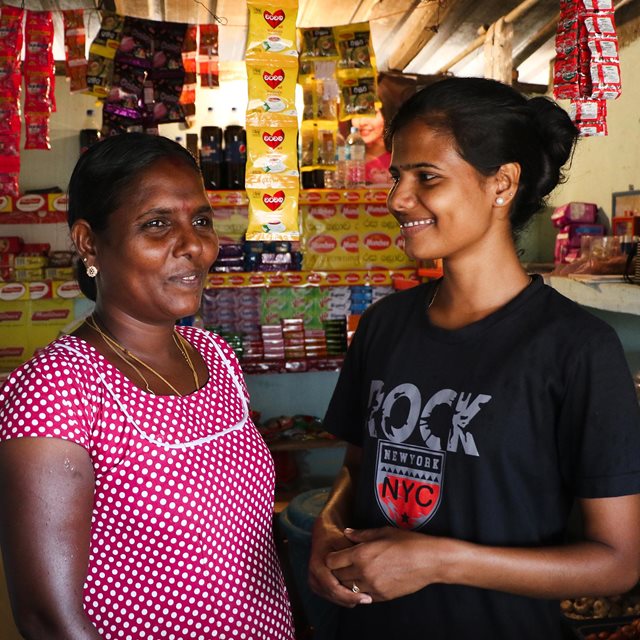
(599, 293)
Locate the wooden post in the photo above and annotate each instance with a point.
(498, 51)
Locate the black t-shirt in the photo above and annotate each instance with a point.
(485, 434)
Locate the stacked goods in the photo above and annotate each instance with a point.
(10, 47)
(39, 79)
(587, 65)
(339, 82)
(272, 179)
(351, 234)
(574, 221)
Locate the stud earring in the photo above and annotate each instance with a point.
(499, 201)
(92, 271)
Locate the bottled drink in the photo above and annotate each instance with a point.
(235, 155)
(211, 154)
(355, 159)
(90, 132)
(338, 179)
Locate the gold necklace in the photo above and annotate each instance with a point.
(127, 356)
(182, 346)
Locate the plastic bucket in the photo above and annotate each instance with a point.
(296, 522)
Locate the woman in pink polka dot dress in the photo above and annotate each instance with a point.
(137, 495)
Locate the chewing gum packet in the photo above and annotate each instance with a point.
(271, 151)
(272, 89)
(272, 27)
(273, 214)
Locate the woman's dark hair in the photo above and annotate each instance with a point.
(104, 174)
(492, 124)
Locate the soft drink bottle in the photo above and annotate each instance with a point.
(211, 154)
(90, 132)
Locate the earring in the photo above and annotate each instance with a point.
(499, 201)
(92, 271)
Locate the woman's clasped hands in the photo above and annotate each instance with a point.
(351, 567)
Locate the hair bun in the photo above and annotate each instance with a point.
(558, 135)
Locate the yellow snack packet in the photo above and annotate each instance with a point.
(358, 95)
(354, 46)
(273, 214)
(272, 27)
(272, 89)
(272, 151)
(318, 43)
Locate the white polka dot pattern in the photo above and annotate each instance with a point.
(181, 538)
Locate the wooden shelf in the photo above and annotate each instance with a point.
(607, 296)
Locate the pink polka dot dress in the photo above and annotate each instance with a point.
(181, 538)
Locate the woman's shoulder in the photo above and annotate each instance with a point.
(61, 355)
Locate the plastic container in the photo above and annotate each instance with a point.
(336, 178)
(211, 154)
(296, 523)
(355, 160)
(90, 132)
(235, 155)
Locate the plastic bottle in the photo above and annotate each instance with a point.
(355, 159)
(340, 174)
(90, 132)
(235, 154)
(211, 153)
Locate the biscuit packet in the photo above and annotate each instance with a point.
(273, 214)
(272, 28)
(272, 89)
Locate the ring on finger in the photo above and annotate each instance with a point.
(355, 588)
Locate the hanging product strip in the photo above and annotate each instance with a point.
(587, 65)
(272, 180)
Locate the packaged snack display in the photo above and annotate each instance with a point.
(272, 179)
(273, 214)
(74, 48)
(587, 68)
(208, 65)
(102, 53)
(272, 88)
(272, 27)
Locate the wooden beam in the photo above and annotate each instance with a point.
(419, 28)
(498, 51)
(512, 16)
(541, 36)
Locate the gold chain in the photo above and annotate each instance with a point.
(127, 356)
(181, 343)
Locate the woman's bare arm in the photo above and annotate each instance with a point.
(46, 502)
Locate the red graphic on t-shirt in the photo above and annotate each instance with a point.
(408, 483)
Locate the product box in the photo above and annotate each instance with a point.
(574, 212)
(625, 226)
(14, 333)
